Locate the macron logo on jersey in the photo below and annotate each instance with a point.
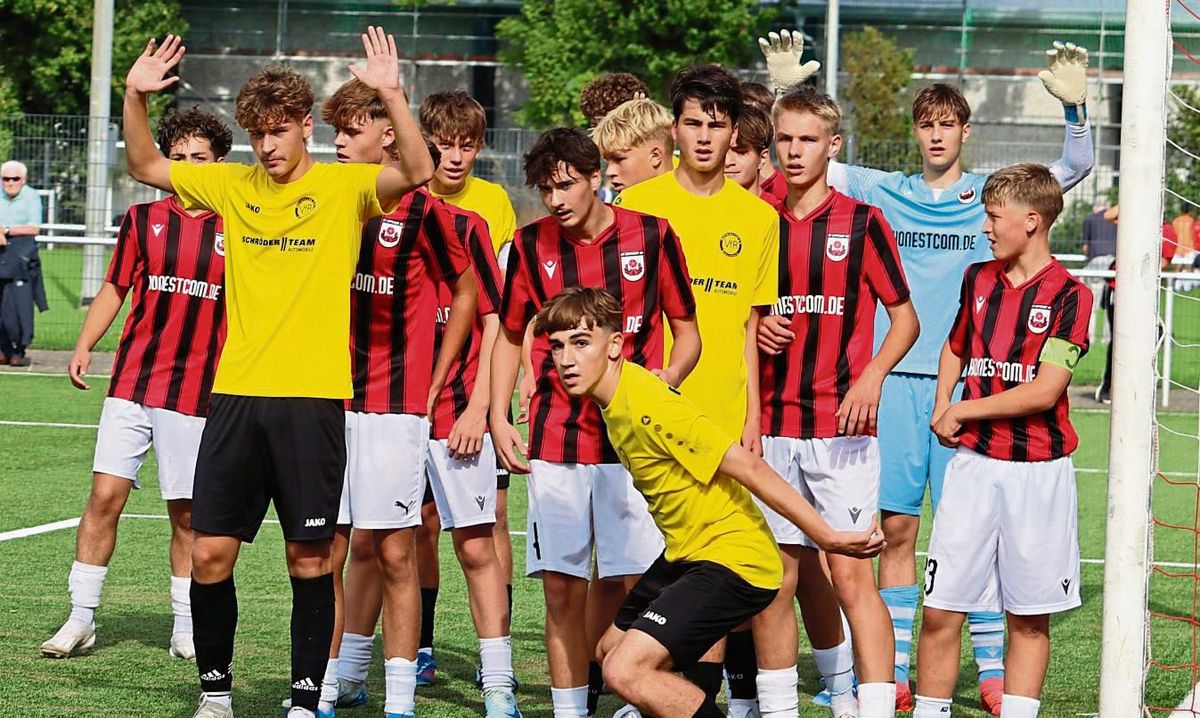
(550, 265)
(158, 228)
(978, 304)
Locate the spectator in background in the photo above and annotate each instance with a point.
(1100, 236)
(1107, 300)
(20, 269)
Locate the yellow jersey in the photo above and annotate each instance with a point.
(290, 252)
(490, 201)
(673, 451)
(731, 243)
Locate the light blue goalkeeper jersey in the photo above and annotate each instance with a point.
(937, 237)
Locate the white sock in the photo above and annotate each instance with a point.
(354, 659)
(225, 699)
(400, 683)
(569, 702)
(777, 693)
(742, 706)
(495, 658)
(181, 604)
(329, 685)
(836, 666)
(85, 582)
(1019, 707)
(876, 700)
(932, 708)
(847, 645)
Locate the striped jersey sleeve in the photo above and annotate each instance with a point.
(123, 267)
(884, 274)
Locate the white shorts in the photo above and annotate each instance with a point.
(574, 508)
(385, 470)
(127, 431)
(463, 489)
(1005, 537)
(838, 476)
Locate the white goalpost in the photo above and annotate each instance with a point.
(1131, 465)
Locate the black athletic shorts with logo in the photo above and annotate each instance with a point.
(688, 606)
(259, 449)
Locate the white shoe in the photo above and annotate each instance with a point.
(182, 647)
(212, 709)
(844, 705)
(747, 708)
(627, 711)
(70, 641)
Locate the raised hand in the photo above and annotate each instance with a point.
(782, 53)
(149, 71)
(1067, 77)
(382, 69)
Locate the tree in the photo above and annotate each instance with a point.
(880, 72)
(561, 45)
(1183, 169)
(48, 49)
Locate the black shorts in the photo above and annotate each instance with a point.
(503, 479)
(258, 449)
(689, 606)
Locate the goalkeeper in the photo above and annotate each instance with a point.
(937, 216)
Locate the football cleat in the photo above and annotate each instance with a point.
(627, 711)
(991, 694)
(351, 694)
(426, 669)
(744, 709)
(212, 709)
(904, 696)
(500, 703)
(70, 641)
(398, 715)
(182, 646)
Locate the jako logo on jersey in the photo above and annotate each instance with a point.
(219, 244)
(967, 196)
(550, 265)
(157, 229)
(652, 616)
(309, 523)
(305, 206)
(731, 244)
(978, 304)
(1039, 319)
(389, 232)
(837, 246)
(633, 265)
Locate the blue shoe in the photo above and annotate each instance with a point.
(351, 694)
(324, 714)
(398, 715)
(426, 670)
(500, 703)
(822, 698)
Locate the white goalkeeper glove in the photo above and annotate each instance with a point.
(782, 53)
(1067, 78)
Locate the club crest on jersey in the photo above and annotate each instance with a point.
(967, 196)
(1039, 318)
(305, 206)
(731, 244)
(389, 232)
(633, 265)
(219, 244)
(837, 247)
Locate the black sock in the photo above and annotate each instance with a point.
(509, 587)
(214, 619)
(312, 634)
(741, 665)
(707, 676)
(708, 709)
(428, 605)
(595, 686)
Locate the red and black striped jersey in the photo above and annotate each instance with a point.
(174, 266)
(638, 259)
(835, 264)
(774, 186)
(393, 303)
(999, 332)
(472, 231)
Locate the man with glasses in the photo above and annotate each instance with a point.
(20, 268)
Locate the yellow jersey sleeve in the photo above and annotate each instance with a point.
(362, 180)
(506, 218)
(677, 430)
(204, 186)
(766, 278)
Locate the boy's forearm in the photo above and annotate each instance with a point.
(753, 397)
(950, 369)
(901, 335)
(506, 360)
(481, 393)
(414, 161)
(458, 325)
(141, 154)
(100, 315)
(685, 347)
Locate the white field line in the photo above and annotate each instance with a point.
(52, 424)
(72, 523)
